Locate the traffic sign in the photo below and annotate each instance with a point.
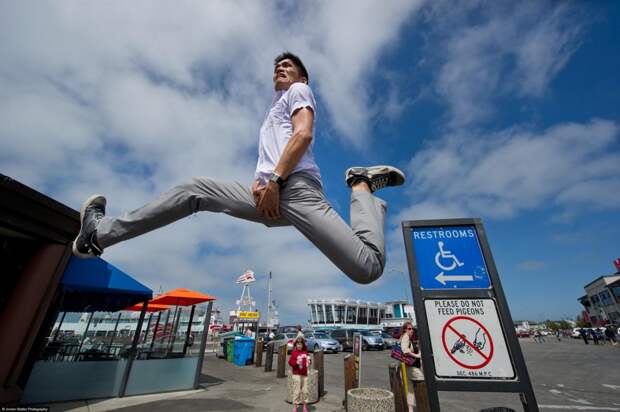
(467, 339)
(449, 258)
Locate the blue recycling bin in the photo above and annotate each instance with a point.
(243, 351)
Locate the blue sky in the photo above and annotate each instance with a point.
(499, 110)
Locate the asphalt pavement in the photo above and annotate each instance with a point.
(566, 375)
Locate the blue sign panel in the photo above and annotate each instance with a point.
(449, 257)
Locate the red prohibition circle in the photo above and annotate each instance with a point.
(445, 346)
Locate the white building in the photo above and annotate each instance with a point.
(602, 300)
(397, 313)
(358, 314)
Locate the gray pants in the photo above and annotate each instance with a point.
(359, 250)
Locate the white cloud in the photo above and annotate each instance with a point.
(513, 49)
(499, 175)
(531, 265)
(129, 101)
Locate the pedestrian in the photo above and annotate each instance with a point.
(584, 335)
(414, 373)
(248, 332)
(300, 361)
(611, 336)
(538, 336)
(594, 336)
(287, 190)
(558, 335)
(299, 333)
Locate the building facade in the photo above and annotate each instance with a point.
(602, 300)
(357, 314)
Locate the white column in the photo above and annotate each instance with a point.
(357, 312)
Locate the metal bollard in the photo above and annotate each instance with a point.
(281, 368)
(319, 365)
(350, 377)
(258, 356)
(269, 358)
(396, 385)
(421, 396)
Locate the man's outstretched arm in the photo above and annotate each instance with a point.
(303, 121)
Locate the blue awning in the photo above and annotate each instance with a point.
(95, 285)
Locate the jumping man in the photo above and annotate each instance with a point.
(287, 190)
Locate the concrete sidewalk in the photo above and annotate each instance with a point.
(224, 387)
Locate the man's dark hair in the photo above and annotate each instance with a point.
(296, 60)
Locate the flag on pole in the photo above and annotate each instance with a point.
(247, 277)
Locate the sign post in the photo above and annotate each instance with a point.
(466, 333)
(357, 354)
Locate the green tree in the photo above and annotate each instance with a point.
(564, 324)
(581, 323)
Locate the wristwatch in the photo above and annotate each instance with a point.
(276, 178)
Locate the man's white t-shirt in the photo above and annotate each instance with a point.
(277, 129)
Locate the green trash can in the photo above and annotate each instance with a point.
(230, 345)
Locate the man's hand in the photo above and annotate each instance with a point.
(257, 189)
(269, 201)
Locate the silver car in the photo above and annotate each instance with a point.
(283, 339)
(321, 340)
(371, 341)
(388, 340)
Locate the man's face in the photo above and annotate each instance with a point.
(285, 73)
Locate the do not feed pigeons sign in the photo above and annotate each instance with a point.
(467, 337)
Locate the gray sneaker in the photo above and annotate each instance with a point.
(377, 177)
(92, 211)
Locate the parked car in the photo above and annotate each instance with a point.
(321, 340)
(576, 333)
(523, 334)
(395, 332)
(283, 339)
(371, 341)
(344, 337)
(287, 329)
(388, 339)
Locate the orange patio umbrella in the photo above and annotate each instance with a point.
(182, 297)
(152, 307)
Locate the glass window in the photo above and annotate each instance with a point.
(351, 314)
(381, 313)
(320, 313)
(329, 314)
(616, 292)
(363, 317)
(605, 298)
(340, 313)
(373, 316)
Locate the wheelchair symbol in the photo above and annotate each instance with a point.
(446, 254)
